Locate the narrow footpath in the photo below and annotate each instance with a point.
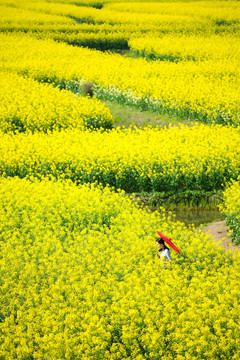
(219, 232)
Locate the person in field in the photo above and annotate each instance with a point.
(164, 252)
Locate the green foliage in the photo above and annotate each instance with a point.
(231, 209)
(180, 199)
(87, 88)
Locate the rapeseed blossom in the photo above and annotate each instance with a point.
(115, 24)
(80, 279)
(168, 16)
(26, 105)
(79, 276)
(192, 47)
(206, 90)
(179, 158)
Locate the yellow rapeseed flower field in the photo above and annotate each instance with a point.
(27, 105)
(17, 15)
(197, 9)
(79, 276)
(199, 90)
(83, 26)
(197, 157)
(80, 280)
(192, 47)
(189, 15)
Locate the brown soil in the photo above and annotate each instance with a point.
(220, 232)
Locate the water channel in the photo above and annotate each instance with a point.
(197, 216)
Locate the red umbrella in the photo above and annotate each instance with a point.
(168, 241)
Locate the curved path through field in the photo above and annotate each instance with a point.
(219, 232)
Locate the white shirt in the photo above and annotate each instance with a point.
(165, 254)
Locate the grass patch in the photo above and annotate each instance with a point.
(162, 57)
(189, 199)
(126, 116)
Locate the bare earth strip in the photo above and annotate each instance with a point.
(219, 232)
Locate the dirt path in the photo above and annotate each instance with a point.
(219, 231)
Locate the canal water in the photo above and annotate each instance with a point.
(197, 216)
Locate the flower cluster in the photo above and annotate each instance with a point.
(179, 158)
(176, 47)
(18, 14)
(27, 105)
(80, 280)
